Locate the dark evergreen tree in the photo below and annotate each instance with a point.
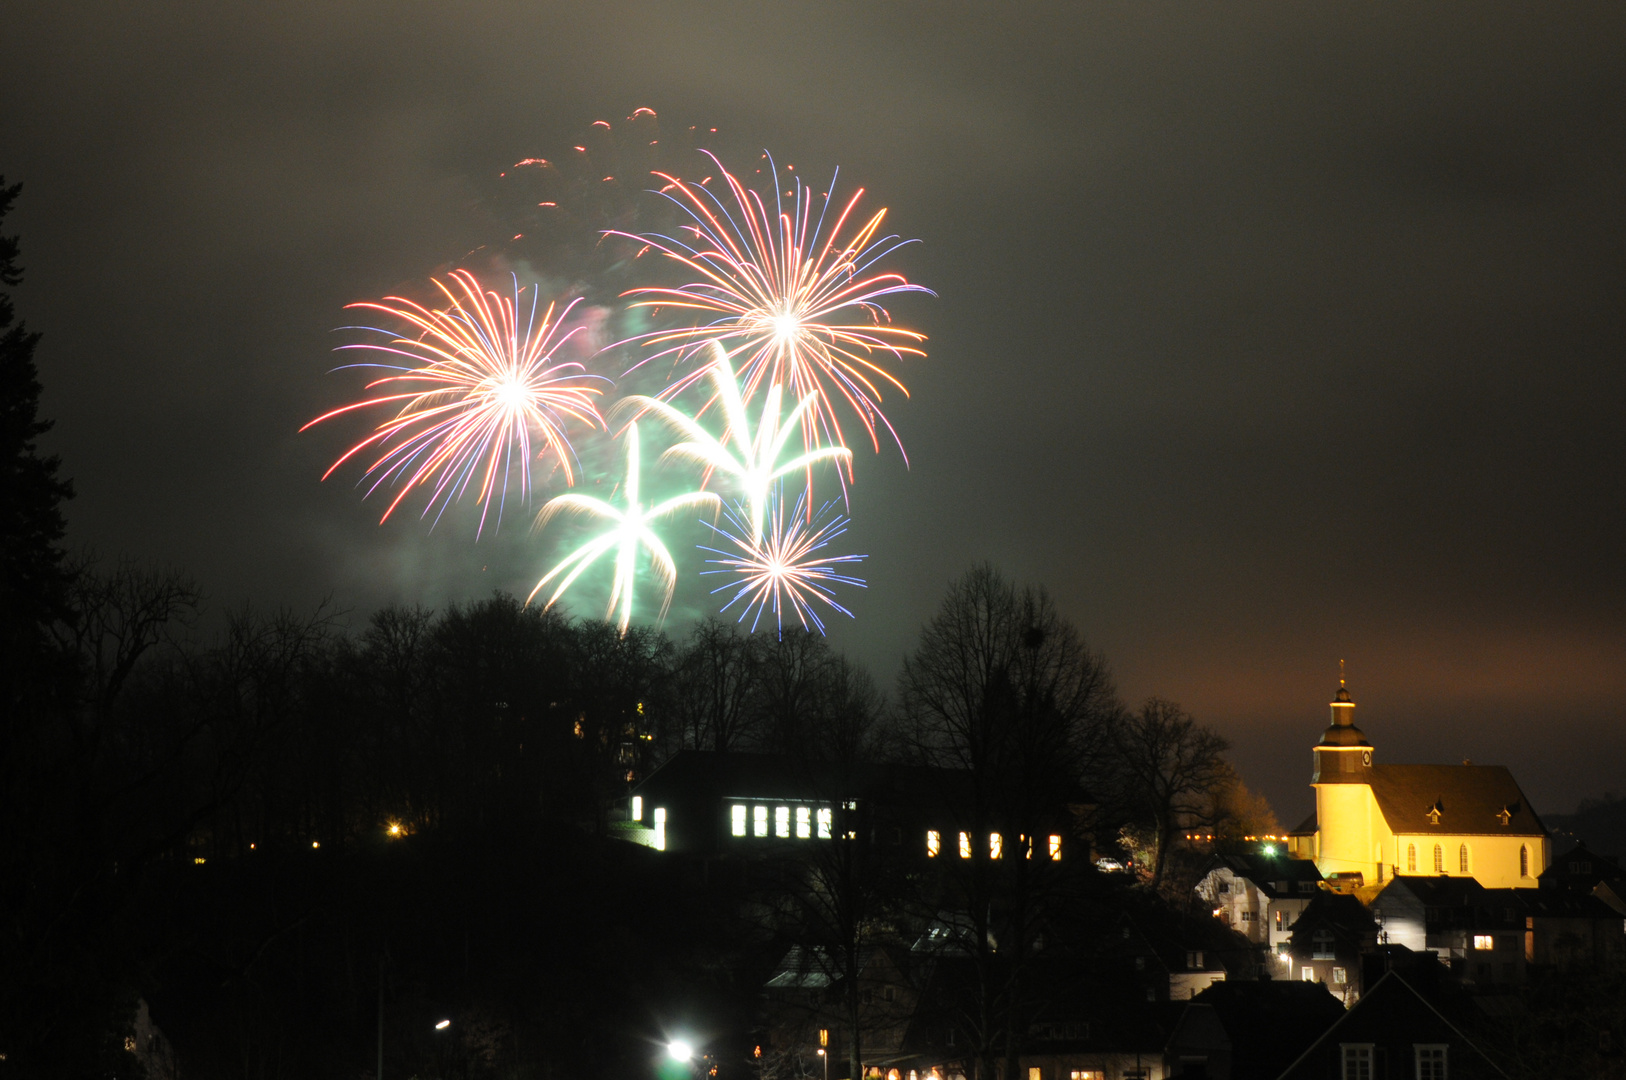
(33, 577)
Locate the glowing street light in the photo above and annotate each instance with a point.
(680, 1050)
(443, 1025)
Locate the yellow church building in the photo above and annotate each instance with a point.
(1374, 821)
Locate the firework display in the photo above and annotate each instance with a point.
(784, 568)
(778, 335)
(799, 302)
(630, 530)
(750, 458)
(475, 395)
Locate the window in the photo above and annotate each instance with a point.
(996, 845)
(1278, 918)
(1307, 973)
(1431, 1063)
(737, 819)
(781, 822)
(1035, 1073)
(1307, 887)
(804, 822)
(1439, 859)
(1250, 916)
(660, 828)
(1194, 961)
(934, 843)
(1323, 945)
(1225, 886)
(637, 808)
(1483, 942)
(759, 821)
(1055, 848)
(826, 816)
(1339, 976)
(1357, 1061)
(1462, 858)
(1411, 858)
(965, 845)
(1524, 862)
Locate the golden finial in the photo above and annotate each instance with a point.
(1341, 684)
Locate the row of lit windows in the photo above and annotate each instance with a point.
(1462, 859)
(753, 820)
(996, 845)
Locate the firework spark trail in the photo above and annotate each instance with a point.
(750, 458)
(774, 284)
(784, 567)
(477, 392)
(630, 529)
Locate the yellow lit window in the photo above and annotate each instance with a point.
(996, 845)
(804, 822)
(934, 843)
(965, 845)
(781, 822)
(826, 816)
(660, 828)
(1055, 847)
(737, 817)
(759, 821)
(637, 808)
(1484, 941)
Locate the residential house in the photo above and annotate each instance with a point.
(1328, 943)
(1248, 1028)
(1260, 894)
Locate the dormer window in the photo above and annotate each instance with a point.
(1504, 816)
(1433, 815)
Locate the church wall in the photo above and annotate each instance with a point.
(1344, 817)
(1493, 860)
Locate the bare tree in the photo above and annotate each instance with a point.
(712, 689)
(1169, 770)
(1005, 689)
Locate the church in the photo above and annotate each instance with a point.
(1374, 821)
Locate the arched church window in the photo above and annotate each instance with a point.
(1524, 862)
(1462, 858)
(1411, 858)
(1439, 860)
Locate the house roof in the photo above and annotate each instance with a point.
(1269, 872)
(1267, 1022)
(1391, 1009)
(1469, 799)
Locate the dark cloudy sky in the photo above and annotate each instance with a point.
(1267, 335)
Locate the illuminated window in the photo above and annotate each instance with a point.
(660, 828)
(781, 822)
(1055, 847)
(1462, 858)
(804, 822)
(759, 821)
(1307, 973)
(1035, 1073)
(965, 845)
(996, 845)
(1439, 860)
(737, 815)
(825, 816)
(1339, 977)
(637, 808)
(1357, 1061)
(1524, 862)
(1411, 858)
(1483, 942)
(934, 843)
(1278, 918)
(1431, 1063)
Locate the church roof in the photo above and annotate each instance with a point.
(1453, 800)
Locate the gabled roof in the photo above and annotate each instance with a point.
(1269, 872)
(1266, 1022)
(1392, 1010)
(1463, 799)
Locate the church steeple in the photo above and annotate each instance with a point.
(1343, 755)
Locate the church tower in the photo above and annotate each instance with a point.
(1343, 793)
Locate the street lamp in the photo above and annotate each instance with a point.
(680, 1050)
(443, 1025)
(826, 1058)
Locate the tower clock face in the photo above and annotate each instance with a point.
(1366, 757)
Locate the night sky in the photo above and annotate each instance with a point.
(1265, 336)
